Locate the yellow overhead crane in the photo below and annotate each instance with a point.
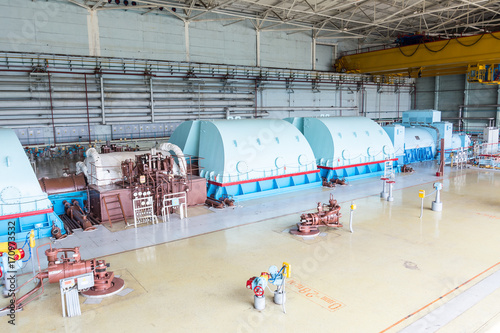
(478, 56)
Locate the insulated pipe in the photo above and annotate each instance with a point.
(71, 183)
(180, 156)
(82, 168)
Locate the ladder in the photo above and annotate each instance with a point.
(388, 170)
(115, 205)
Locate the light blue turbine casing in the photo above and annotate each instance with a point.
(348, 147)
(430, 121)
(459, 140)
(187, 137)
(419, 145)
(251, 158)
(23, 204)
(396, 134)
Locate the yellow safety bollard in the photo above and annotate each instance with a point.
(421, 194)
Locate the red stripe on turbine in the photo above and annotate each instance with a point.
(36, 212)
(261, 179)
(355, 165)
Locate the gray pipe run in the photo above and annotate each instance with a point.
(179, 112)
(120, 95)
(120, 120)
(110, 104)
(58, 113)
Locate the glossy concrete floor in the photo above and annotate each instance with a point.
(396, 272)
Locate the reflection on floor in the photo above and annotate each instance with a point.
(189, 275)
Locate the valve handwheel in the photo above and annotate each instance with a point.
(258, 290)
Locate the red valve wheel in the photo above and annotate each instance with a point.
(258, 291)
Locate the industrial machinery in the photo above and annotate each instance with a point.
(347, 147)
(76, 217)
(490, 140)
(477, 54)
(10, 261)
(249, 158)
(418, 137)
(67, 262)
(112, 147)
(223, 202)
(116, 178)
(484, 73)
(406, 169)
(276, 277)
(69, 197)
(334, 182)
(327, 214)
(153, 174)
(23, 205)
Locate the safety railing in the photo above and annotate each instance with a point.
(173, 201)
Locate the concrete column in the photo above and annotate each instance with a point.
(313, 52)
(436, 93)
(186, 38)
(257, 48)
(93, 34)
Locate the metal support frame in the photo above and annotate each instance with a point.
(143, 211)
(69, 293)
(174, 200)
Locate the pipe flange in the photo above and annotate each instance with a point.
(116, 286)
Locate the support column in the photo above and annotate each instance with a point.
(313, 51)
(436, 93)
(257, 48)
(186, 38)
(93, 34)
